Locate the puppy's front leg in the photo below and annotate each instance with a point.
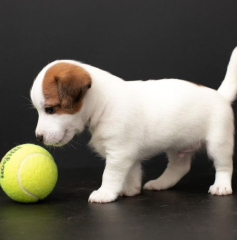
(114, 176)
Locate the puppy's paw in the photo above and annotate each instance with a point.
(220, 189)
(156, 185)
(102, 196)
(130, 191)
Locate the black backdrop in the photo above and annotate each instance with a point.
(134, 39)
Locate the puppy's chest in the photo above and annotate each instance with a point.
(97, 145)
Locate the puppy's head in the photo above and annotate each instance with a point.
(57, 94)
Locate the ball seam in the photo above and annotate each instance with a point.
(18, 174)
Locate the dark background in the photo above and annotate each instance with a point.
(134, 39)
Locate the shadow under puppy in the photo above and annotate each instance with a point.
(131, 121)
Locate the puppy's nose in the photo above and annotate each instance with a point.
(40, 138)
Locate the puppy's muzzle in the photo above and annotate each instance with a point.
(40, 138)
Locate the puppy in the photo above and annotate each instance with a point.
(131, 121)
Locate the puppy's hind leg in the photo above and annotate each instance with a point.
(220, 146)
(177, 167)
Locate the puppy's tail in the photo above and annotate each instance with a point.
(228, 88)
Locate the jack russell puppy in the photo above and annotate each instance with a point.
(131, 121)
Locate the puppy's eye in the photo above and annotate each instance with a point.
(49, 110)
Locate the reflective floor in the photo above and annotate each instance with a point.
(186, 211)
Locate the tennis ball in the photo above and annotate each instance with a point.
(28, 173)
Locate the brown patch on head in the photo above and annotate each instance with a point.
(64, 86)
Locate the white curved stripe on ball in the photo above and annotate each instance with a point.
(18, 174)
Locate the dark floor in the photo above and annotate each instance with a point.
(184, 212)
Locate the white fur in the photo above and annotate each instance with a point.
(131, 121)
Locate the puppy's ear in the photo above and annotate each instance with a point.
(72, 87)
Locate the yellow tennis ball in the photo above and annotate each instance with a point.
(28, 173)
